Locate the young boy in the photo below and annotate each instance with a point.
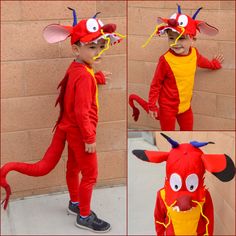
(172, 85)
(77, 123)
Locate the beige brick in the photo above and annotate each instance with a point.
(111, 136)
(225, 106)
(28, 113)
(151, 53)
(204, 103)
(227, 5)
(219, 81)
(10, 10)
(207, 48)
(42, 77)
(228, 50)
(193, 5)
(12, 80)
(27, 41)
(112, 105)
(202, 122)
(15, 147)
(143, 4)
(111, 165)
(111, 8)
(38, 10)
(117, 66)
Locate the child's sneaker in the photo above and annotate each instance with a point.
(73, 209)
(93, 223)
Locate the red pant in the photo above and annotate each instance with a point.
(80, 162)
(168, 118)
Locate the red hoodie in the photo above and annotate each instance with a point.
(81, 101)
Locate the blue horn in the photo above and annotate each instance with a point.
(96, 14)
(195, 14)
(200, 144)
(171, 141)
(74, 16)
(179, 8)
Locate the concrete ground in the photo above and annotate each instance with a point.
(144, 180)
(46, 214)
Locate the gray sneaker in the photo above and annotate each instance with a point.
(93, 223)
(73, 209)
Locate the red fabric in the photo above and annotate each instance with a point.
(100, 78)
(80, 108)
(160, 214)
(80, 162)
(168, 119)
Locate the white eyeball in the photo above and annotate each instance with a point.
(92, 25)
(183, 20)
(173, 16)
(175, 182)
(192, 182)
(100, 23)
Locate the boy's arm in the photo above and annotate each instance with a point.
(100, 77)
(203, 62)
(83, 101)
(156, 84)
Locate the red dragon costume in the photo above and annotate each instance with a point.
(173, 81)
(184, 205)
(77, 122)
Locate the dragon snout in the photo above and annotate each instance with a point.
(184, 202)
(173, 22)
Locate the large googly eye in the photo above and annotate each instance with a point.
(175, 182)
(100, 23)
(192, 182)
(173, 16)
(92, 25)
(183, 20)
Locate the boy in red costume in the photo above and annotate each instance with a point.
(173, 81)
(77, 122)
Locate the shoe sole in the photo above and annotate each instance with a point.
(87, 228)
(71, 212)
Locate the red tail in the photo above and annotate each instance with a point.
(40, 168)
(141, 102)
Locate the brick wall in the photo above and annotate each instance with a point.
(31, 71)
(223, 194)
(214, 91)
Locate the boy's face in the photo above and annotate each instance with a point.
(183, 43)
(88, 51)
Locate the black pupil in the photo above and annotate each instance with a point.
(94, 28)
(181, 23)
(191, 187)
(176, 187)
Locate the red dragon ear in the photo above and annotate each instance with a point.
(151, 156)
(219, 165)
(207, 29)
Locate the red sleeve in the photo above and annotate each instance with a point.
(156, 84)
(83, 102)
(205, 63)
(160, 214)
(100, 78)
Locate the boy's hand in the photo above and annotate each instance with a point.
(153, 114)
(107, 75)
(90, 147)
(219, 57)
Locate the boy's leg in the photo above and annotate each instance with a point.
(185, 120)
(72, 176)
(87, 164)
(167, 119)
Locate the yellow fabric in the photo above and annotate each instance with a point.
(90, 70)
(183, 68)
(184, 223)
